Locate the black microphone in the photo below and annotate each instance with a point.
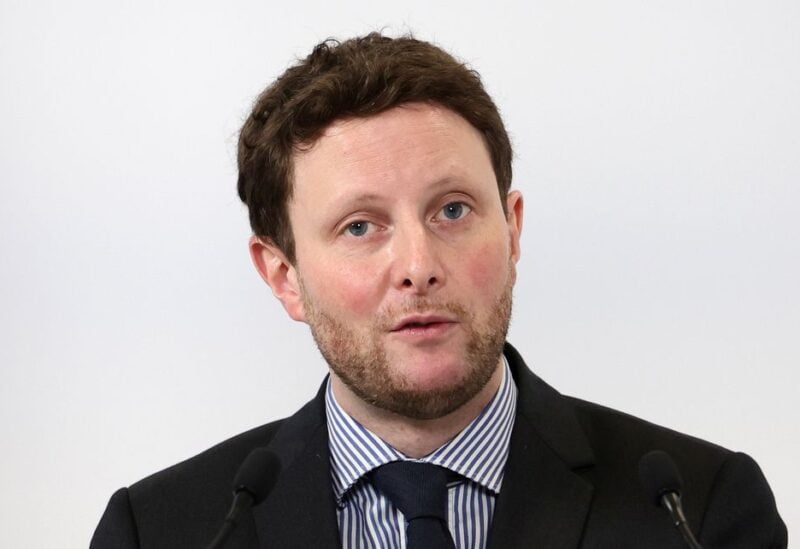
(662, 485)
(254, 480)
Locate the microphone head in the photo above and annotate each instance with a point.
(257, 474)
(659, 475)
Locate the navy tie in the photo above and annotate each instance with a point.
(419, 490)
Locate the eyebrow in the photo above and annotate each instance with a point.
(367, 197)
(370, 196)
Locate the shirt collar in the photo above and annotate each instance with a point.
(478, 452)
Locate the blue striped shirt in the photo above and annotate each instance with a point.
(367, 520)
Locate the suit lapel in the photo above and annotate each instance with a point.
(543, 502)
(300, 511)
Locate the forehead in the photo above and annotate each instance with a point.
(416, 143)
(356, 132)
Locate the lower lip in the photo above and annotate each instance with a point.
(435, 330)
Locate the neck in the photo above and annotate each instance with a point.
(415, 438)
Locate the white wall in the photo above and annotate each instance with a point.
(657, 146)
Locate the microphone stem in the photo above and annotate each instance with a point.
(672, 502)
(242, 501)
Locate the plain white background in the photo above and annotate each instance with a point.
(657, 147)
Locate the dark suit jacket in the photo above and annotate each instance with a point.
(571, 481)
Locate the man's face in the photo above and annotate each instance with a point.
(405, 260)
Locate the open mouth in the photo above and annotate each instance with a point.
(422, 325)
(411, 325)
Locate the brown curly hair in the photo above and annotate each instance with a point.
(360, 77)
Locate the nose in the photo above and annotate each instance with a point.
(418, 266)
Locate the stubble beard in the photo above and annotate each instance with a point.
(361, 361)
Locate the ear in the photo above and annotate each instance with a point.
(514, 205)
(279, 274)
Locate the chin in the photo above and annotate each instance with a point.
(431, 372)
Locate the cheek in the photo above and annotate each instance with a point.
(488, 268)
(349, 291)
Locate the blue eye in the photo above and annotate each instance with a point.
(454, 210)
(358, 228)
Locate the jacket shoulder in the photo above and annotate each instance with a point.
(619, 441)
(221, 460)
(724, 491)
(184, 505)
(615, 433)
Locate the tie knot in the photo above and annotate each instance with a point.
(416, 489)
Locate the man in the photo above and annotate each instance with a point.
(377, 175)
